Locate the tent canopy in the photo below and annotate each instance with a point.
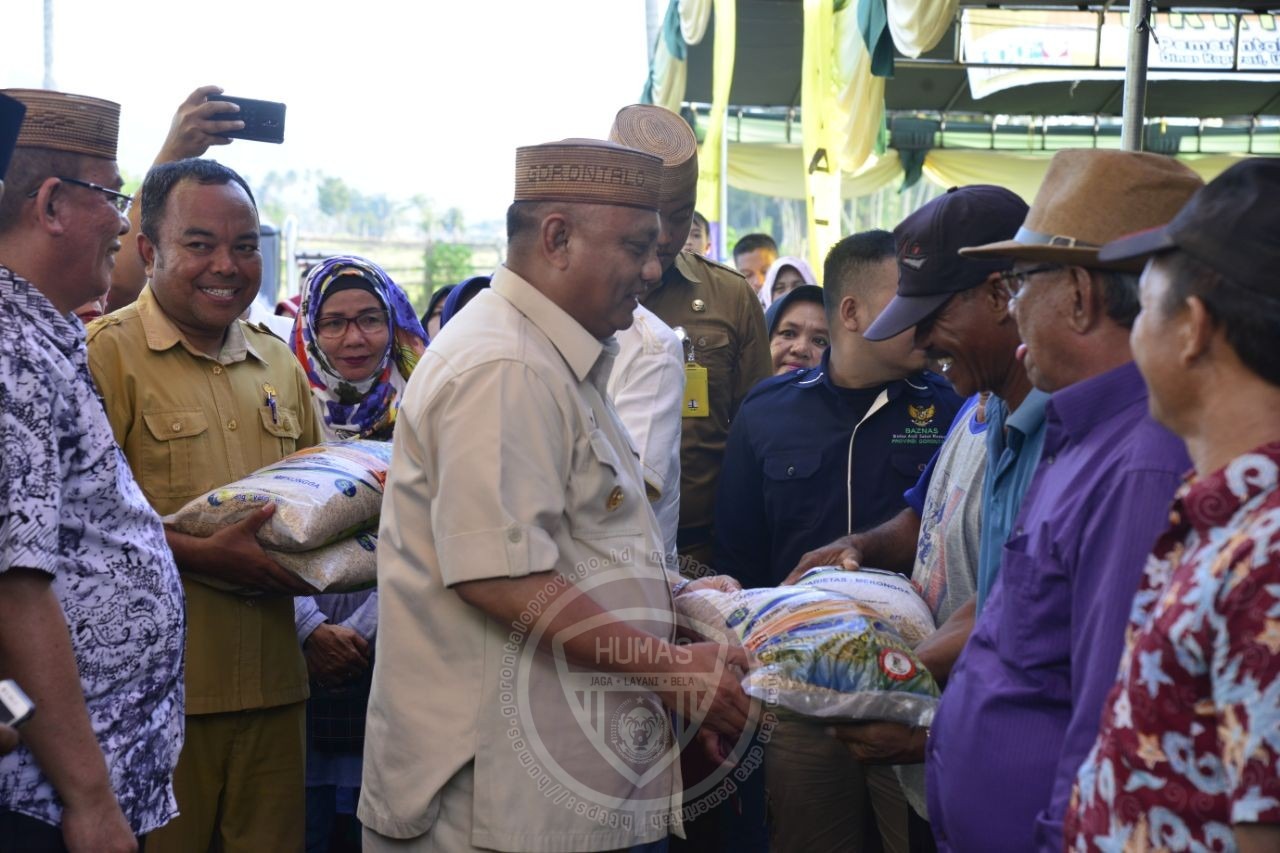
(770, 43)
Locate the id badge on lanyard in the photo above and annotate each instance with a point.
(697, 403)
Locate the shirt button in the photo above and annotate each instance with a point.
(513, 535)
(1049, 459)
(177, 426)
(217, 370)
(791, 470)
(231, 424)
(614, 500)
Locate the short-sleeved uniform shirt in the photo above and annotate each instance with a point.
(1191, 730)
(189, 423)
(69, 507)
(508, 460)
(724, 329)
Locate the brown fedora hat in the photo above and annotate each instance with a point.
(1091, 197)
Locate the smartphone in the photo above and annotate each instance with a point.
(263, 120)
(15, 706)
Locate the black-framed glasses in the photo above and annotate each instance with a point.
(1014, 281)
(120, 201)
(336, 327)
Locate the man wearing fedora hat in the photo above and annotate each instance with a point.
(516, 522)
(1187, 755)
(92, 620)
(1021, 707)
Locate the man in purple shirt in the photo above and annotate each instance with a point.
(1022, 705)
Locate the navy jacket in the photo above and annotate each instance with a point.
(786, 483)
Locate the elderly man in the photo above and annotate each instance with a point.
(1187, 754)
(1021, 706)
(525, 661)
(91, 611)
(198, 399)
(725, 346)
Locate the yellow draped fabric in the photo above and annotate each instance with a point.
(918, 25)
(842, 111)
(694, 17)
(778, 170)
(722, 59)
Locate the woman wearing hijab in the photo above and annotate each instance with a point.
(358, 339)
(435, 306)
(798, 333)
(784, 275)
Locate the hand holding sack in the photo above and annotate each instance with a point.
(328, 499)
(835, 647)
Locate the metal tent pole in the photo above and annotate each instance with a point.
(1135, 75)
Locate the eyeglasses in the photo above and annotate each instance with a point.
(336, 327)
(1014, 281)
(120, 201)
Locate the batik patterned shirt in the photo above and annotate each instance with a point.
(69, 507)
(1191, 731)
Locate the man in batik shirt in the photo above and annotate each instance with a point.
(1186, 758)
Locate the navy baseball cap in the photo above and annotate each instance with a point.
(930, 267)
(11, 113)
(1231, 225)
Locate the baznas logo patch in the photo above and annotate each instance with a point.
(921, 415)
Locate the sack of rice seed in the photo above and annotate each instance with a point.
(819, 654)
(890, 594)
(322, 494)
(344, 566)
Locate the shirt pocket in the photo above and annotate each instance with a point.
(790, 486)
(600, 503)
(1035, 619)
(171, 461)
(280, 432)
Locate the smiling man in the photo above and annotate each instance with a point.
(91, 616)
(199, 399)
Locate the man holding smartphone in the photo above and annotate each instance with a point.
(92, 623)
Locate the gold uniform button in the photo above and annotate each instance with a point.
(231, 424)
(217, 370)
(177, 426)
(614, 500)
(699, 305)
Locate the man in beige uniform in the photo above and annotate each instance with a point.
(524, 660)
(726, 348)
(198, 399)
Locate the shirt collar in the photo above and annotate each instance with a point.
(1028, 417)
(162, 334)
(1212, 501)
(578, 347)
(683, 270)
(66, 331)
(820, 377)
(1090, 402)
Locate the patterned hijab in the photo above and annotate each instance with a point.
(358, 409)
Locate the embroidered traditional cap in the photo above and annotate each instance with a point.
(930, 268)
(11, 112)
(64, 122)
(664, 134)
(1232, 226)
(588, 171)
(1090, 197)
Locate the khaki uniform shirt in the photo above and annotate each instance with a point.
(509, 460)
(189, 423)
(724, 324)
